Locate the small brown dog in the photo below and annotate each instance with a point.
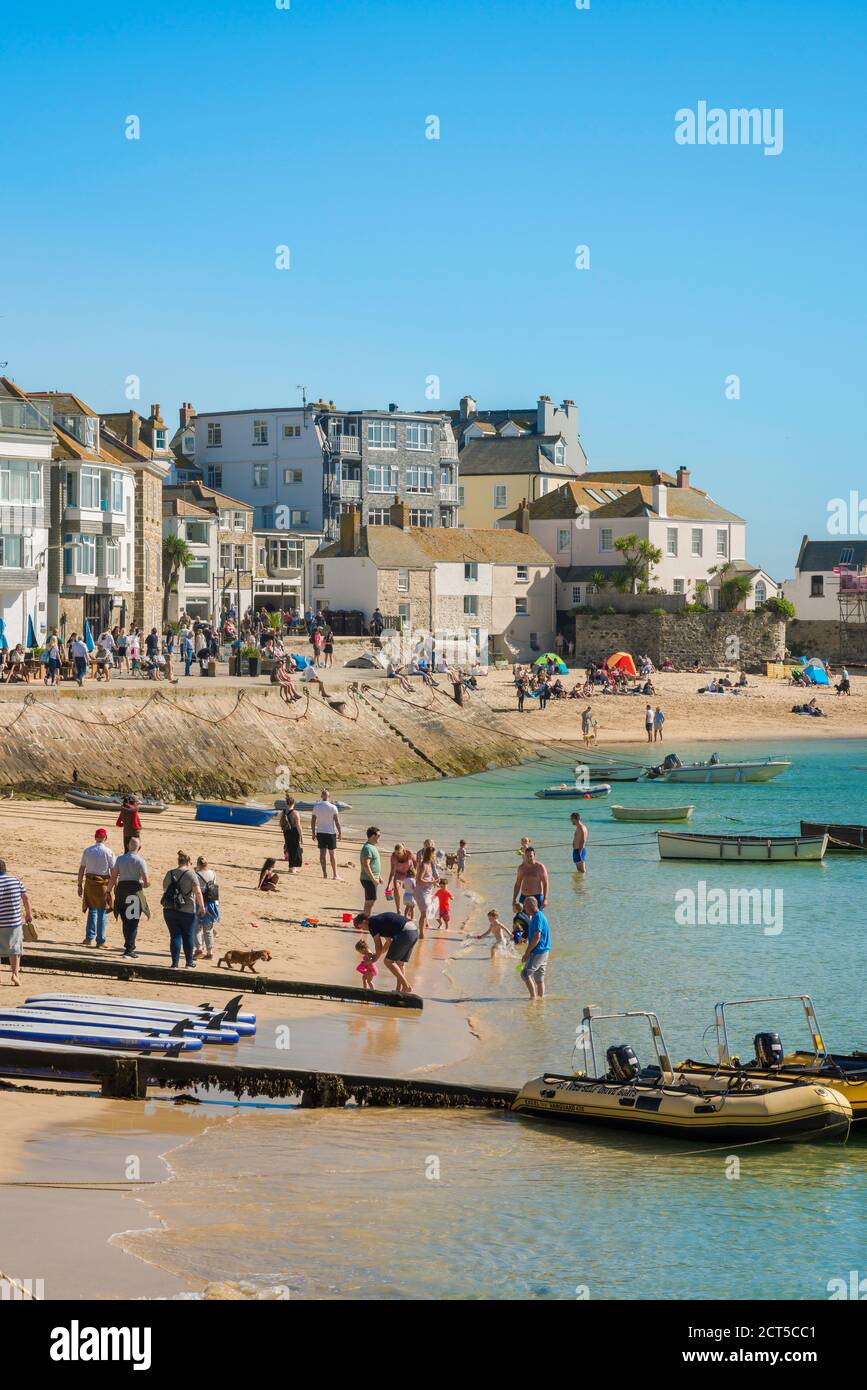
(243, 960)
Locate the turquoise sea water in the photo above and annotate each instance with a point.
(431, 1204)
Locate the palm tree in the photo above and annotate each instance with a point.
(733, 588)
(176, 556)
(638, 558)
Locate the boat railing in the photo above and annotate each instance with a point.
(723, 1050)
(593, 1015)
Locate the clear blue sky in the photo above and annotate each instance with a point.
(410, 257)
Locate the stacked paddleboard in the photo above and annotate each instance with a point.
(139, 1025)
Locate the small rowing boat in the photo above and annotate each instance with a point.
(652, 813)
(774, 849)
(842, 839)
(843, 1072)
(615, 772)
(660, 1099)
(111, 801)
(566, 790)
(714, 772)
(223, 814)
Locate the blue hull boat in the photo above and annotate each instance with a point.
(234, 815)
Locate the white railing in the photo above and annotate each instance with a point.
(350, 489)
(346, 444)
(448, 449)
(449, 492)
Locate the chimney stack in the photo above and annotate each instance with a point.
(134, 429)
(523, 522)
(187, 414)
(468, 407)
(155, 414)
(350, 532)
(683, 477)
(399, 514)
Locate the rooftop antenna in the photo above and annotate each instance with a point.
(303, 390)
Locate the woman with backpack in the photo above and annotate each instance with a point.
(182, 903)
(211, 898)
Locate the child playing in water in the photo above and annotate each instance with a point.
(520, 923)
(525, 844)
(501, 934)
(408, 897)
(461, 859)
(444, 901)
(366, 967)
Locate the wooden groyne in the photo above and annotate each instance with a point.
(124, 1076)
(214, 979)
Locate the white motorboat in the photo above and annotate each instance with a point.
(715, 772)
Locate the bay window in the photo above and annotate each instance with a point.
(117, 492)
(89, 488)
(419, 436)
(382, 434)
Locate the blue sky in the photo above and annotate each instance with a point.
(411, 257)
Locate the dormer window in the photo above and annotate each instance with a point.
(560, 454)
(847, 555)
(160, 439)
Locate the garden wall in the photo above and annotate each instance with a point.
(734, 640)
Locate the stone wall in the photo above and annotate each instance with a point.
(390, 596)
(736, 640)
(147, 600)
(822, 637)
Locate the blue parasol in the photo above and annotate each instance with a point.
(31, 633)
(4, 640)
(88, 637)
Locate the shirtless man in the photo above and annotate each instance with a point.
(531, 880)
(579, 843)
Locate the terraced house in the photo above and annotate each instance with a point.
(141, 443)
(26, 446)
(91, 551)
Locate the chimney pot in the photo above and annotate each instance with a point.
(523, 524)
(683, 477)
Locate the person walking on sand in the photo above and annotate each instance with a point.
(13, 896)
(128, 880)
(461, 859)
(393, 937)
(182, 903)
(325, 830)
(401, 868)
(579, 843)
(78, 653)
(535, 958)
(531, 881)
(371, 869)
(211, 898)
(129, 821)
(658, 721)
(587, 726)
(648, 722)
(94, 887)
(425, 882)
(293, 836)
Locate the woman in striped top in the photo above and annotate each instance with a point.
(13, 896)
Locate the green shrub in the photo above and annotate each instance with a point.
(779, 607)
(609, 610)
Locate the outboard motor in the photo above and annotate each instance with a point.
(769, 1049)
(622, 1063)
(672, 760)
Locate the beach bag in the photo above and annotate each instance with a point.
(174, 897)
(210, 891)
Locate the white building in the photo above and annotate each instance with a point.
(579, 523)
(819, 568)
(195, 592)
(486, 585)
(26, 445)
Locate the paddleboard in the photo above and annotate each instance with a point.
(151, 1017)
(79, 1035)
(127, 1024)
(181, 1010)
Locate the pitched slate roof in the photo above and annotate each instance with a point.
(825, 555)
(64, 402)
(525, 417)
(577, 574)
(522, 454)
(422, 547)
(176, 506)
(566, 502)
(207, 497)
(682, 504)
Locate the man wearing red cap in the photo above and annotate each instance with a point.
(94, 887)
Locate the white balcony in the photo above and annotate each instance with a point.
(449, 492)
(345, 445)
(449, 450)
(350, 490)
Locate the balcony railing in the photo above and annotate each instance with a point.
(449, 492)
(36, 417)
(346, 445)
(448, 449)
(852, 583)
(350, 489)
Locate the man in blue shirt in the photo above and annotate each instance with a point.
(535, 956)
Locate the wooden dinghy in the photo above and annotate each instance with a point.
(652, 813)
(111, 801)
(774, 849)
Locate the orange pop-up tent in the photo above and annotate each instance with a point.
(622, 661)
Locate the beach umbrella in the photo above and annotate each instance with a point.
(88, 637)
(31, 634)
(622, 661)
(4, 640)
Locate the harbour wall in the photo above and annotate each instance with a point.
(743, 641)
(232, 744)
